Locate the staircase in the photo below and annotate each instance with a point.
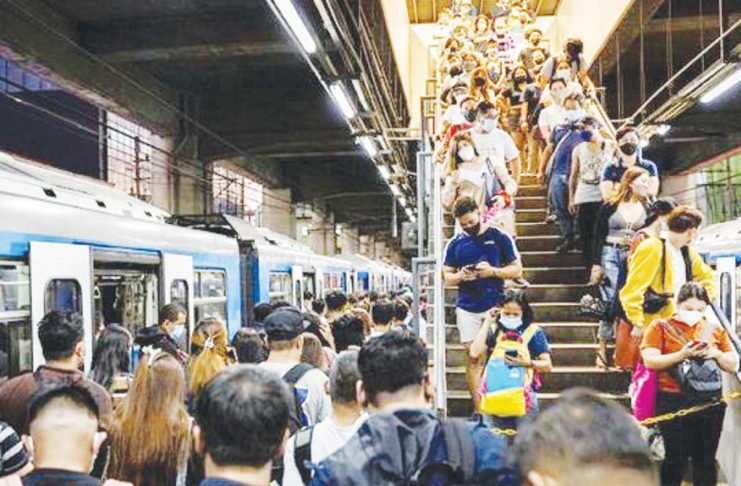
(557, 283)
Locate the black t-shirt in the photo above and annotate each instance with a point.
(58, 477)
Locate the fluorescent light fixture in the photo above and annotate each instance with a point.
(361, 95)
(663, 129)
(343, 102)
(395, 190)
(403, 201)
(368, 145)
(722, 87)
(294, 21)
(384, 172)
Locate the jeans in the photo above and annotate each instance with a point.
(558, 198)
(694, 437)
(612, 259)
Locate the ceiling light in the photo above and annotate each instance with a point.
(299, 29)
(343, 102)
(368, 145)
(361, 95)
(384, 172)
(663, 129)
(395, 190)
(722, 87)
(403, 201)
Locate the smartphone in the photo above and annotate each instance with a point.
(470, 268)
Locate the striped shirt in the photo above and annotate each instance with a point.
(13, 456)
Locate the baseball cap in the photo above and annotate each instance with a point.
(284, 324)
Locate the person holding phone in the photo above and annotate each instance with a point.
(477, 261)
(666, 344)
(515, 316)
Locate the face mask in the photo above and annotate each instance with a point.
(629, 148)
(563, 73)
(178, 333)
(466, 154)
(520, 79)
(510, 323)
(470, 115)
(489, 124)
(690, 317)
(474, 230)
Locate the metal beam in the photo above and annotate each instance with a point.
(204, 52)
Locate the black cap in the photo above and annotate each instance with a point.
(284, 324)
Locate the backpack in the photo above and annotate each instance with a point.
(296, 418)
(506, 391)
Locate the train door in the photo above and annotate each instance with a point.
(177, 284)
(297, 275)
(726, 273)
(61, 279)
(319, 283)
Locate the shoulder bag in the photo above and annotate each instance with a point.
(654, 302)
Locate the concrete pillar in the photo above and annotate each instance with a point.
(366, 246)
(277, 211)
(349, 241)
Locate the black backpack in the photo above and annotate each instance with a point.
(456, 470)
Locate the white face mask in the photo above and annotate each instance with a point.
(563, 73)
(466, 154)
(489, 124)
(510, 323)
(690, 317)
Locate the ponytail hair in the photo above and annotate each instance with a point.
(209, 353)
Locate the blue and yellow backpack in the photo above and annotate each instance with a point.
(507, 391)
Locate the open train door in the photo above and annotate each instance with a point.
(319, 283)
(177, 285)
(297, 277)
(61, 279)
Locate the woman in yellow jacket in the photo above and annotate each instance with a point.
(646, 269)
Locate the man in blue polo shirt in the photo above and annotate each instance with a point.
(477, 261)
(628, 156)
(563, 140)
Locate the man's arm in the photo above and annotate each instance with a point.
(573, 178)
(544, 162)
(508, 272)
(653, 186)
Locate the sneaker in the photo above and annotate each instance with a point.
(565, 246)
(520, 283)
(550, 218)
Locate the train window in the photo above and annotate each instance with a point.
(281, 286)
(210, 295)
(63, 295)
(15, 319)
(179, 292)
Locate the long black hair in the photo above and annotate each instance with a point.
(518, 297)
(112, 355)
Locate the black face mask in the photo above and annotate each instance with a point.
(629, 148)
(474, 230)
(471, 115)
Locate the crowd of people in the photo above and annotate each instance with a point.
(338, 392)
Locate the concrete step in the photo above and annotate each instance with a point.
(562, 275)
(539, 228)
(529, 180)
(561, 354)
(531, 190)
(530, 202)
(537, 292)
(570, 332)
(544, 312)
(538, 243)
(551, 259)
(561, 378)
(460, 405)
(530, 215)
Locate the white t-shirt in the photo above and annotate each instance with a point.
(317, 405)
(496, 145)
(327, 438)
(679, 272)
(550, 117)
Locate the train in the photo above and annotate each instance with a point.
(74, 243)
(720, 246)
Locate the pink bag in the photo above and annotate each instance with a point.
(643, 388)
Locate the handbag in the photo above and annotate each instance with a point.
(643, 389)
(700, 379)
(592, 306)
(654, 302)
(627, 346)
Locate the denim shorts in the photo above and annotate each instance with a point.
(612, 257)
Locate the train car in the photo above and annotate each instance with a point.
(72, 243)
(720, 245)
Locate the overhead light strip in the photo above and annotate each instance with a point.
(296, 24)
(721, 88)
(341, 99)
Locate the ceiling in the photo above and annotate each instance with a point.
(253, 92)
(426, 11)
